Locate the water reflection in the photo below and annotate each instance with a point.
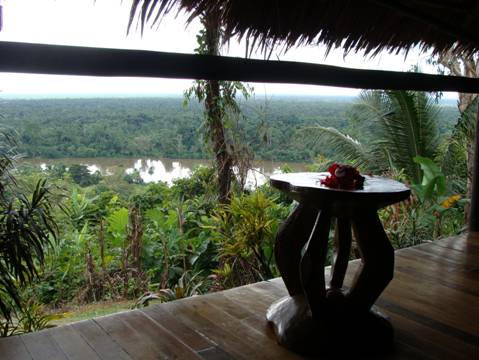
(163, 169)
(155, 170)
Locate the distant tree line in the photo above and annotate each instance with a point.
(164, 127)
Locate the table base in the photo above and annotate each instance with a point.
(341, 331)
(317, 317)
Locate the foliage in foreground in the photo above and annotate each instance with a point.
(27, 228)
(160, 241)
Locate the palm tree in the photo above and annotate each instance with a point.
(218, 97)
(401, 125)
(26, 227)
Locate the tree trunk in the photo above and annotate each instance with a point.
(470, 172)
(124, 269)
(165, 275)
(134, 239)
(90, 275)
(468, 66)
(101, 240)
(215, 114)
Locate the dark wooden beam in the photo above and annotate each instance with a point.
(474, 211)
(73, 60)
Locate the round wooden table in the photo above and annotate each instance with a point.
(319, 317)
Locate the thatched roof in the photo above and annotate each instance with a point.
(368, 25)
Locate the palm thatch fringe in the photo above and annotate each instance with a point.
(370, 26)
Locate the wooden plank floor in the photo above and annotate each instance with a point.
(433, 303)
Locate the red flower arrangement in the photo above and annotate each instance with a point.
(344, 177)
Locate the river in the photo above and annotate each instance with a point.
(162, 169)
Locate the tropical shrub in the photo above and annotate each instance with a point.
(82, 176)
(431, 212)
(188, 285)
(245, 231)
(27, 228)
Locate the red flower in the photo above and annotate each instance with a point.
(343, 177)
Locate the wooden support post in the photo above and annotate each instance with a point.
(474, 212)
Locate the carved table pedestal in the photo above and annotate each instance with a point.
(317, 317)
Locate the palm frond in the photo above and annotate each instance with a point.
(345, 147)
(148, 11)
(405, 127)
(412, 130)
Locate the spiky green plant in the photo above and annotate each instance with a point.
(27, 227)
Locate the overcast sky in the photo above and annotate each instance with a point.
(103, 23)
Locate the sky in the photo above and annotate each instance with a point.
(103, 23)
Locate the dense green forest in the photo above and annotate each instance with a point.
(113, 238)
(165, 127)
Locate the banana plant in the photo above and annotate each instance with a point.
(434, 204)
(118, 226)
(433, 184)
